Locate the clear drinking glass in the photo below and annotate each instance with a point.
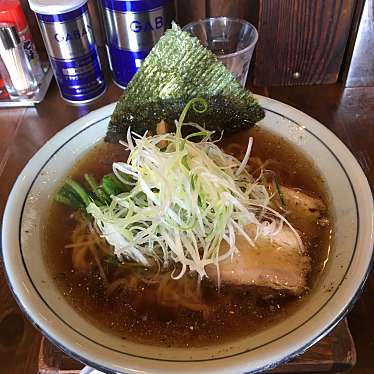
(232, 40)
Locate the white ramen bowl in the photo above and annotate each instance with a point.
(340, 285)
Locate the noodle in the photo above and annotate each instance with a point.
(89, 250)
(86, 246)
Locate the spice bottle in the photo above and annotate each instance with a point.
(132, 28)
(69, 39)
(11, 13)
(15, 68)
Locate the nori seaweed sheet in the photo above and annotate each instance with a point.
(222, 113)
(177, 69)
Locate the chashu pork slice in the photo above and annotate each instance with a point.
(279, 263)
(307, 211)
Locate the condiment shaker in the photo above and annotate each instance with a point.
(15, 68)
(11, 13)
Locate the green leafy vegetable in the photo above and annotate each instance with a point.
(73, 194)
(112, 185)
(97, 190)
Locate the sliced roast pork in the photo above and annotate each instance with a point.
(305, 210)
(279, 262)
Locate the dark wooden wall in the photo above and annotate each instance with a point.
(300, 41)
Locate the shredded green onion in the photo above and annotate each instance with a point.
(185, 201)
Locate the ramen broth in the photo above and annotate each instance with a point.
(134, 310)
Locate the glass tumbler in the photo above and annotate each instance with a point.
(232, 40)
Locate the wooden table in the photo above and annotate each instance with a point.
(348, 112)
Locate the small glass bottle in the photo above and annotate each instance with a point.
(15, 68)
(11, 13)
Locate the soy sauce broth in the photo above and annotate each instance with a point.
(134, 314)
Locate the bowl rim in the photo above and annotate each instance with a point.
(95, 116)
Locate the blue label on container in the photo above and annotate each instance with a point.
(124, 64)
(70, 44)
(80, 79)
